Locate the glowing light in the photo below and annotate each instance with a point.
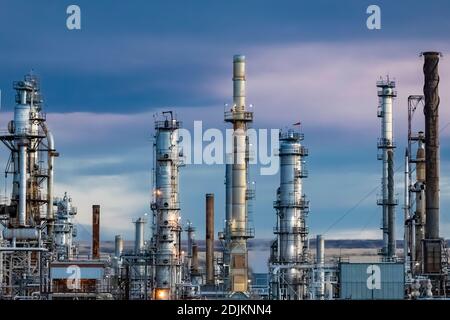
(162, 294)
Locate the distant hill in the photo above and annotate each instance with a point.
(255, 245)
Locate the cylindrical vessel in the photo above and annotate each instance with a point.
(238, 231)
(166, 207)
(291, 230)
(118, 246)
(210, 238)
(139, 236)
(239, 82)
(21, 234)
(386, 94)
(22, 183)
(419, 188)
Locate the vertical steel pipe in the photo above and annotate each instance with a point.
(95, 231)
(210, 238)
(118, 246)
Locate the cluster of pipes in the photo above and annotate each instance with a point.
(424, 250)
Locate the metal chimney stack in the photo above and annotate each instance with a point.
(431, 111)
(209, 238)
(139, 235)
(95, 231)
(237, 229)
(118, 246)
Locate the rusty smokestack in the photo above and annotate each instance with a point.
(95, 231)
(431, 111)
(209, 238)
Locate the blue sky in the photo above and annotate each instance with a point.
(314, 61)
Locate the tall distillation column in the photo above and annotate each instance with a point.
(166, 207)
(26, 228)
(238, 229)
(388, 202)
(291, 230)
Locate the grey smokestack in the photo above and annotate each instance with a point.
(209, 238)
(431, 111)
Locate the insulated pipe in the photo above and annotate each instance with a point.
(209, 238)
(406, 218)
(419, 188)
(50, 162)
(431, 111)
(95, 231)
(228, 196)
(22, 183)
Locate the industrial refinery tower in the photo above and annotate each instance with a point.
(166, 208)
(237, 230)
(290, 251)
(435, 257)
(386, 94)
(27, 216)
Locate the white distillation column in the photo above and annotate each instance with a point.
(64, 229)
(291, 209)
(239, 231)
(166, 207)
(21, 130)
(386, 94)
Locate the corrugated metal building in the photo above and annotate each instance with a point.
(365, 281)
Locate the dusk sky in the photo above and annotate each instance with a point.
(309, 61)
